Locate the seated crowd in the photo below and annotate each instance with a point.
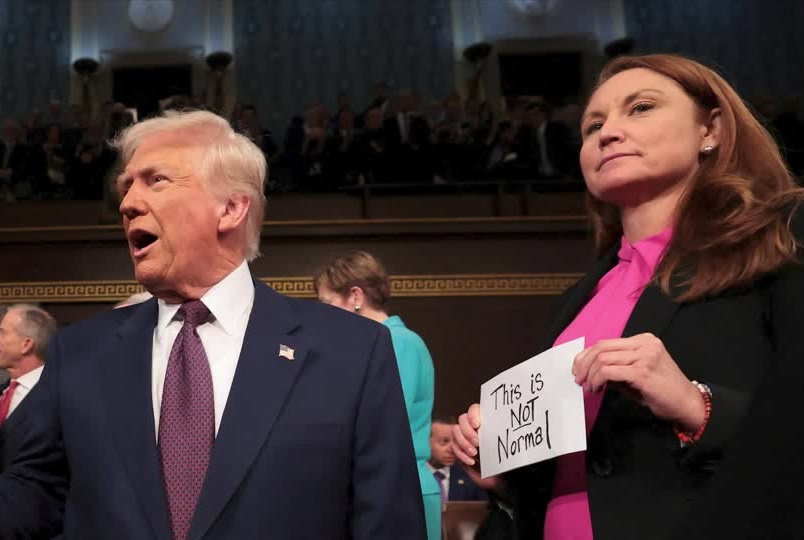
(392, 141)
(399, 141)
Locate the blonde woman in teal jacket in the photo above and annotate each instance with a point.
(358, 282)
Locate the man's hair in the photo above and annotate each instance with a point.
(444, 419)
(37, 324)
(232, 163)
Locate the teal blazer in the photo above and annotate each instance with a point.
(418, 386)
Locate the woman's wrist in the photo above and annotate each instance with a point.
(690, 428)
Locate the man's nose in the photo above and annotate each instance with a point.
(132, 203)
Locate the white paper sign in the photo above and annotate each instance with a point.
(532, 412)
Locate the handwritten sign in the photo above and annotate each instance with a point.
(532, 412)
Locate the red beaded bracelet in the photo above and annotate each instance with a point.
(687, 437)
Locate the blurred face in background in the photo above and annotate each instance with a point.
(454, 108)
(346, 120)
(54, 134)
(55, 111)
(11, 130)
(12, 343)
(441, 454)
(374, 119)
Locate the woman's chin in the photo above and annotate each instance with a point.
(625, 191)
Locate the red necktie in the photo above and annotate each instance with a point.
(186, 420)
(5, 400)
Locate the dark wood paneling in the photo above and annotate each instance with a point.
(418, 247)
(471, 338)
(293, 206)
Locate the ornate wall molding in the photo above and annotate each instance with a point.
(302, 287)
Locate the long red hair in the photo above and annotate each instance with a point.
(732, 225)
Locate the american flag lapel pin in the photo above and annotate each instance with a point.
(286, 352)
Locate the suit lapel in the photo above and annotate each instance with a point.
(577, 296)
(129, 406)
(261, 384)
(456, 484)
(652, 313)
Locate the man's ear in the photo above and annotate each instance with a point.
(27, 346)
(233, 213)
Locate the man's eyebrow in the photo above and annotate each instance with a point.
(127, 178)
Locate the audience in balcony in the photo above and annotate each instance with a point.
(393, 140)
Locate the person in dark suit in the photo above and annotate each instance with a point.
(13, 158)
(217, 409)
(25, 332)
(686, 313)
(455, 484)
(545, 146)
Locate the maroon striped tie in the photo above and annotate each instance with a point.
(186, 420)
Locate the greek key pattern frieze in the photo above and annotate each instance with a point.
(302, 287)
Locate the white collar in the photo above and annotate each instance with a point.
(442, 470)
(227, 300)
(30, 379)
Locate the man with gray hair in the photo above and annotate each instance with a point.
(218, 409)
(3, 373)
(25, 333)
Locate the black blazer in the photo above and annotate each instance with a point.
(640, 482)
(759, 490)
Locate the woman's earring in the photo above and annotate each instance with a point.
(357, 308)
(707, 150)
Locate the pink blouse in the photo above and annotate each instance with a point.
(603, 317)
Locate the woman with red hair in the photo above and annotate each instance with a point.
(687, 315)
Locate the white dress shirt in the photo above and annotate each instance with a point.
(230, 302)
(26, 383)
(444, 481)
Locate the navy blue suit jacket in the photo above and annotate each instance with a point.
(461, 487)
(316, 447)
